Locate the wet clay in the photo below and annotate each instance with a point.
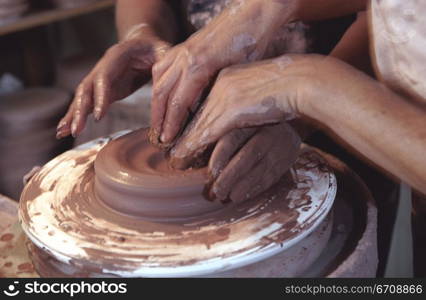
(63, 214)
(133, 177)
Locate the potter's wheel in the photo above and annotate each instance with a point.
(79, 223)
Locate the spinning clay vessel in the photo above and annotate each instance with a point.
(113, 207)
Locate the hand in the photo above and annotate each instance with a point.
(125, 67)
(248, 161)
(249, 95)
(240, 34)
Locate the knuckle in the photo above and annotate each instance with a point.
(230, 91)
(115, 49)
(227, 84)
(156, 69)
(158, 93)
(224, 72)
(102, 79)
(177, 104)
(196, 61)
(81, 90)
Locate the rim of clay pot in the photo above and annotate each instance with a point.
(199, 248)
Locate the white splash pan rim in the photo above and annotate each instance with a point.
(206, 267)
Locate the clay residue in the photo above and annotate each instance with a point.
(78, 229)
(6, 237)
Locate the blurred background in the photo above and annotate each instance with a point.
(46, 49)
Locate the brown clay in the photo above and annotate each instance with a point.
(63, 213)
(134, 178)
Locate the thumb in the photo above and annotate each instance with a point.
(160, 50)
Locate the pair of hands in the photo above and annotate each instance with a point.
(124, 68)
(180, 75)
(240, 34)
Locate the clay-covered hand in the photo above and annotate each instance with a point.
(241, 33)
(125, 67)
(248, 161)
(249, 95)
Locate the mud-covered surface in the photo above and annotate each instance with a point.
(62, 216)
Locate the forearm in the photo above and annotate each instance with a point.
(380, 125)
(303, 127)
(353, 48)
(315, 10)
(156, 17)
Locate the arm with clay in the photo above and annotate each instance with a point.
(354, 48)
(259, 157)
(145, 29)
(241, 33)
(357, 110)
(309, 10)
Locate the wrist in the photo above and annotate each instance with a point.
(144, 33)
(141, 31)
(144, 45)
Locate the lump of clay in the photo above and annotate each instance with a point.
(133, 177)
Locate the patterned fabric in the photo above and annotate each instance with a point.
(201, 12)
(291, 38)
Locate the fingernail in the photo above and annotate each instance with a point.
(163, 138)
(214, 173)
(58, 135)
(61, 125)
(218, 196)
(73, 129)
(207, 192)
(97, 114)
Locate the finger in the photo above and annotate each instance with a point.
(278, 160)
(83, 107)
(225, 148)
(160, 95)
(165, 59)
(114, 74)
(249, 155)
(195, 140)
(179, 106)
(64, 126)
(103, 94)
(254, 182)
(263, 176)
